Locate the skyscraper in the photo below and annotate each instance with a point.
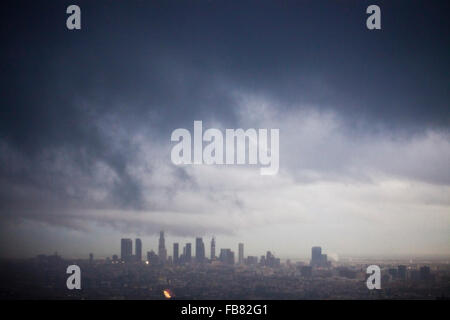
(226, 256)
(188, 254)
(271, 260)
(138, 248)
(199, 250)
(317, 258)
(213, 249)
(162, 253)
(126, 250)
(241, 253)
(175, 253)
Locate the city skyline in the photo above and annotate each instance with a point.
(264, 277)
(151, 243)
(128, 252)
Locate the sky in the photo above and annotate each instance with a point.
(87, 116)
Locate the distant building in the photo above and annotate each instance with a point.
(162, 253)
(138, 248)
(271, 261)
(262, 261)
(152, 258)
(213, 249)
(324, 260)
(401, 272)
(91, 257)
(226, 256)
(318, 259)
(175, 253)
(252, 261)
(316, 256)
(126, 250)
(393, 272)
(188, 253)
(241, 253)
(199, 250)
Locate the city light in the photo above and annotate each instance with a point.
(167, 294)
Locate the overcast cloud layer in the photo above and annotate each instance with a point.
(364, 119)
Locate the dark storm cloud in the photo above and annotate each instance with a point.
(153, 66)
(176, 58)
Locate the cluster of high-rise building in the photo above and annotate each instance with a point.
(185, 256)
(226, 255)
(126, 250)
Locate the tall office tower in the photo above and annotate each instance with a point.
(199, 250)
(213, 248)
(270, 259)
(241, 253)
(188, 253)
(138, 248)
(226, 256)
(316, 256)
(91, 257)
(162, 253)
(126, 250)
(175, 253)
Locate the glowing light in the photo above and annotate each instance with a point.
(168, 294)
(146, 262)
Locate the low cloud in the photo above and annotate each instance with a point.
(328, 176)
